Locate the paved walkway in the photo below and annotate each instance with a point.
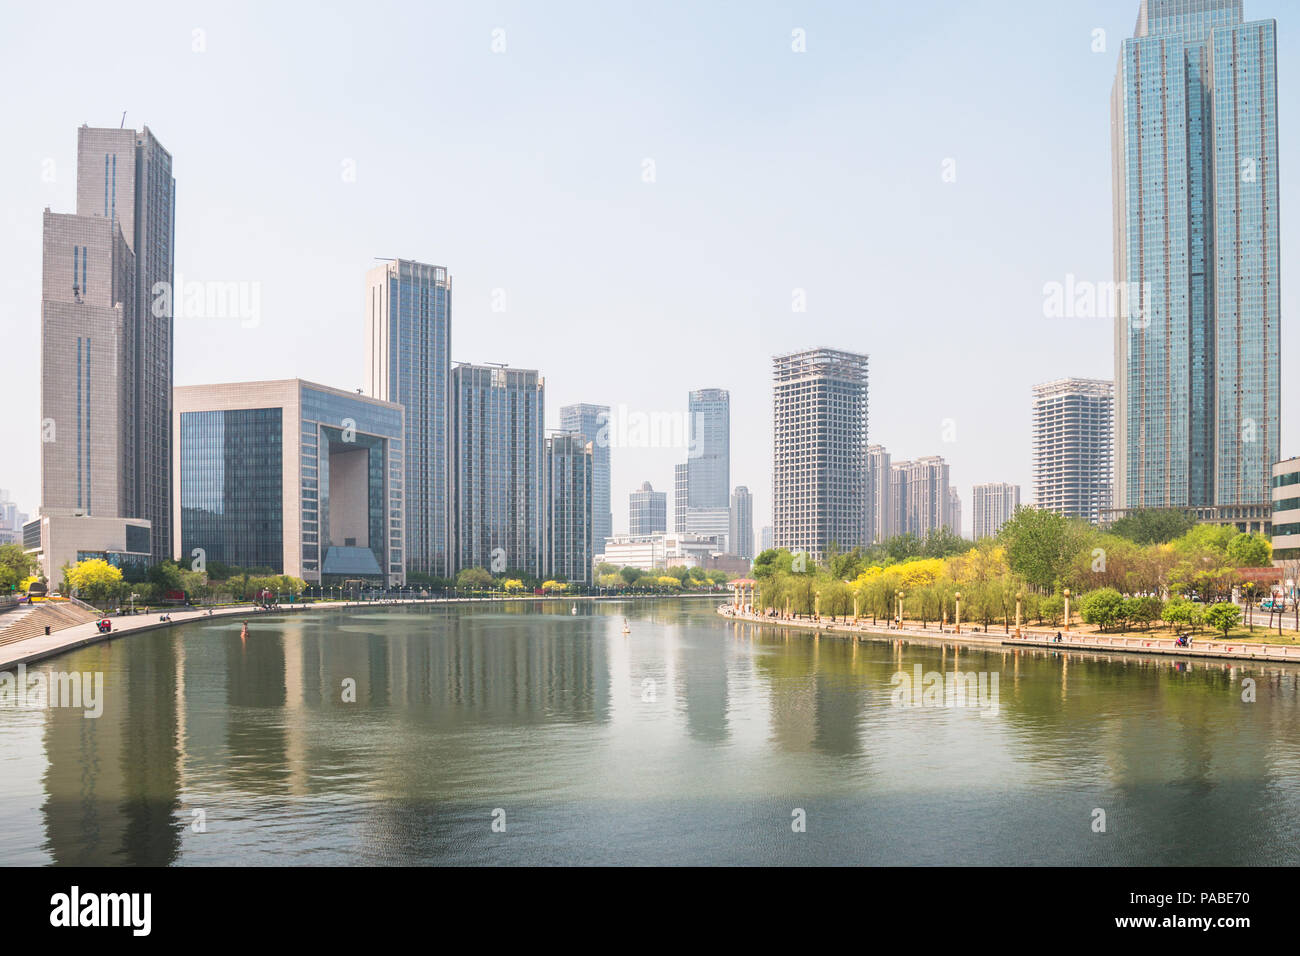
(1070, 640)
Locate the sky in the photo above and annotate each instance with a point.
(632, 198)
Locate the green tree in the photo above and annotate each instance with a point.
(1251, 550)
(630, 574)
(1103, 608)
(1042, 545)
(1223, 616)
(166, 574)
(15, 566)
(474, 579)
(1153, 525)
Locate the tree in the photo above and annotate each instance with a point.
(15, 565)
(514, 585)
(1143, 610)
(474, 579)
(167, 575)
(1042, 545)
(94, 579)
(1223, 616)
(630, 574)
(1251, 550)
(772, 561)
(1153, 525)
(1103, 608)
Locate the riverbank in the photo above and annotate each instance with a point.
(82, 635)
(1229, 649)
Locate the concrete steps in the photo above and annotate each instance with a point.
(33, 621)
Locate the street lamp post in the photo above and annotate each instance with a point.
(1066, 595)
(1019, 596)
(957, 616)
(900, 608)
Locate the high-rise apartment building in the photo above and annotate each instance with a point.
(994, 504)
(408, 361)
(570, 470)
(125, 177)
(765, 538)
(740, 540)
(881, 512)
(498, 510)
(1197, 344)
(594, 422)
(1072, 446)
(819, 473)
(647, 511)
(920, 492)
(681, 482)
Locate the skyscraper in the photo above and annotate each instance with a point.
(593, 421)
(570, 467)
(497, 460)
(881, 509)
(819, 461)
(741, 537)
(708, 463)
(953, 521)
(994, 504)
(1072, 443)
(408, 361)
(647, 510)
(1197, 343)
(125, 177)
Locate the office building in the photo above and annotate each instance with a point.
(740, 540)
(408, 362)
(594, 422)
(658, 552)
(124, 176)
(1194, 128)
(1073, 421)
(497, 447)
(570, 470)
(765, 538)
(708, 462)
(290, 476)
(714, 523)
(647, 511)
(819, 474)
(994, 504)
(953, 521)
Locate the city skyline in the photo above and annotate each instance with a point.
(307, 295)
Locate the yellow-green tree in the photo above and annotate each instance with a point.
(94, 579)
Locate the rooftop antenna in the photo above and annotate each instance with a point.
(123, 123)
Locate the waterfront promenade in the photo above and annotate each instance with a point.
(1070, 640)
(70, 638)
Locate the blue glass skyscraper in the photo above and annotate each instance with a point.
(408, 361)
(1197, 342)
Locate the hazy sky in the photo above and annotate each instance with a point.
(309, 140)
